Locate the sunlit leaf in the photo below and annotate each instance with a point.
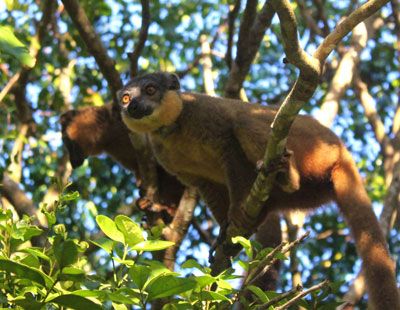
(132, 232)
(153, 245)
(9, 44)
(109, 228)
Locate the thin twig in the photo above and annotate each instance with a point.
(9, 85)
(282, 296)
(303, 294)
(269, 260)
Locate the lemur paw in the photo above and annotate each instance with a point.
(281, 164)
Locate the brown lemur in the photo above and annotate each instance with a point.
(215, 143)
(91, 131)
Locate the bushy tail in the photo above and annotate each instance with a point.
(371, 245)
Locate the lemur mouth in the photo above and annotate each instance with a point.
(138, 111)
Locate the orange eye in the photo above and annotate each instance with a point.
(125, 99)
(150, 90)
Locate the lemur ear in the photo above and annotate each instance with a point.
(173, 82)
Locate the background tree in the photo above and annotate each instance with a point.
(83, 51)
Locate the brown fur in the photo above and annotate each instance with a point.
(215, 144)
(95, 130)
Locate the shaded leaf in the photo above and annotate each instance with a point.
(25, 272)
(75, 302)
(66, 253)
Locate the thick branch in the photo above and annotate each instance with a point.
(144, 29)
(17, 197)
(233, 13)
(94, 45)
(251, 32)
(179, 226)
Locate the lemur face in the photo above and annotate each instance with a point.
(142, 95)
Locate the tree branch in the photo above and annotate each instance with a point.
(94, 45)
(302, 294)
(179, 226)
(144, 29)
(233, 13)
(252, 30)
(345, 72)
(370, 112)
(347, 25)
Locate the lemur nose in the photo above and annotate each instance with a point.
(132, 106)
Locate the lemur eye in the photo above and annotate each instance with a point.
(126, 99)
(150, 90)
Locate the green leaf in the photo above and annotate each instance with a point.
(69, 196)
(24, 231)
(66, 252)
(119, 306)
(27, 302)
(9, 44)
(25, 272)
(152, 245)
(169, 285)
(204, 280)
(208, 295)
(262, 297)
(139, 275)
(110, 229)
(182, 305)
(191, 263)
(132, 232)
(104, 243)
(72, 274)
(75, 302)
(35, 252)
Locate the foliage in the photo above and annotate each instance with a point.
(58, 275)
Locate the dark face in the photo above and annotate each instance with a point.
(76, 154)
(142, 95)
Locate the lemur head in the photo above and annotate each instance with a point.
(84, 132)
(150, 101)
